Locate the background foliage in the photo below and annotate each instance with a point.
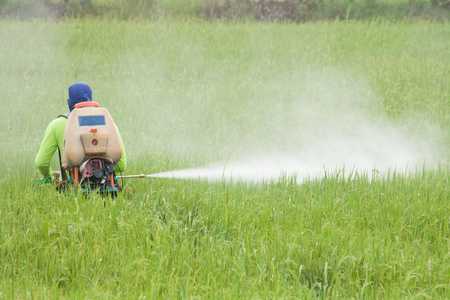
(273, 10)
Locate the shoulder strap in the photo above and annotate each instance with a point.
(63, 172)
(66, 115)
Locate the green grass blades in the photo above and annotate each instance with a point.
(329, 238)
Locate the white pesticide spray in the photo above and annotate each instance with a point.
(322, 122)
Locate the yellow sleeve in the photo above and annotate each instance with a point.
(48, 147)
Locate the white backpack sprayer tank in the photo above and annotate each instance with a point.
(91, 148)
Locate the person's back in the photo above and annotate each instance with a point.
(54, 135)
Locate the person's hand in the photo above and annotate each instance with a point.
(44, 180)
(56, 175)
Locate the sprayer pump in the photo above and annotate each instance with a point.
(91, 149)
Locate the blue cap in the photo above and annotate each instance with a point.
(79, 92)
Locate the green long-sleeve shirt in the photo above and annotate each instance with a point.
(53, 139)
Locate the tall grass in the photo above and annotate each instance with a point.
(332, 239)
(187, 93)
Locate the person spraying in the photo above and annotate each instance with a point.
(88, 142)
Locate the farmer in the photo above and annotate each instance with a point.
(53, 137)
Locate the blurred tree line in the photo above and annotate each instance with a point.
(262, 10)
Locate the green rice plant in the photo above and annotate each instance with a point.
(333, 237)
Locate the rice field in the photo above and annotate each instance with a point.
(367, 102)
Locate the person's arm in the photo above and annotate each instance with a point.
(46, 151)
